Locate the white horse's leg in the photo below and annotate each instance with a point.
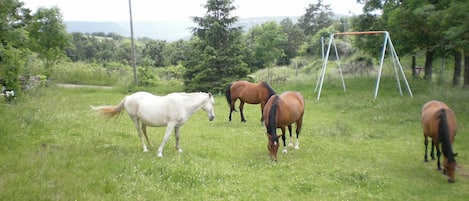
(139, 132)
(176, 134)
(169, 129)
(144, 129)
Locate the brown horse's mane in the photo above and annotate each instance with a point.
(270, 90)
(443, 132)
(272, 125)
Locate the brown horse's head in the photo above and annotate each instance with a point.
(449, 168)
(272, 146)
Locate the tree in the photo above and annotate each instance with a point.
(176, 52)
(153, 50)
(268, 40)
(13, 41)
(317, 16)
(295, 37)
(414, 25)
(215, 58)
(48, 36)
(456, 32)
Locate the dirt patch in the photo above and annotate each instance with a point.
(83, 86)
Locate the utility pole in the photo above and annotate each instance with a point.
(134, 63)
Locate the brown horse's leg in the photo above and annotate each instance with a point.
(438, 154)
(425, 158)
(262, 112)
(241, 106)
(290, 144)
(284, 140)
(432, 153)
(299, 125)
(232, 108)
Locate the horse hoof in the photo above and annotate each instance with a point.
(180, 150)
(284, 151)
(160, 155)
(297, 147)
(290, 144)
(451, 181)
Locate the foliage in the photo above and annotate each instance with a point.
(13, 42)
(91, 73)
(317, 16)
(266, 41)
(48, 36)
(421, 25)
(312, 45)
(216, 55)
(295, 38)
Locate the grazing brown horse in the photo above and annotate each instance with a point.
(439, 123)
(282, 111)
(247, 92)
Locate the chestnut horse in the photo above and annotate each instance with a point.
(282, 111)
(247, 92)
(439, 123)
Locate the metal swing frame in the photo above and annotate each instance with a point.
(387, 42)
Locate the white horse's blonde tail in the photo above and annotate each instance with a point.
(110, 111)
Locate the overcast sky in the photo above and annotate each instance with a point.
(157, 10)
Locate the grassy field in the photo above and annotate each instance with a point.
(352, 147)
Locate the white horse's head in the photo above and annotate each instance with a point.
(209, 107)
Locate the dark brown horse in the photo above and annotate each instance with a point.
(282, 111)
(439, 123)
(247, 92)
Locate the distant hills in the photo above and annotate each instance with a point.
(160, 30)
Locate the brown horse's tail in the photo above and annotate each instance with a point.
(110, 111)
(228, 96)
(443, 136)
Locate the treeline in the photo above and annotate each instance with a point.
(219, 52)
(439, 29)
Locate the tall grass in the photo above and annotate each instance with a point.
(352, 147)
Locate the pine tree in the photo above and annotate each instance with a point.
(216, 57)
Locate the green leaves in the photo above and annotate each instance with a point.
(214, 59)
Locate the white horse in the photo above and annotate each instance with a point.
(172, 111)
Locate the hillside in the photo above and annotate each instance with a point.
(161, 30)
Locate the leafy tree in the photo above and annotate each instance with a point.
(414, 25)
(153, 50)
(317, 16)
(176, 52)
(48, 36)
(268, 40)
(13, 41)
(456, 32)
(295, 37)
(215, 58)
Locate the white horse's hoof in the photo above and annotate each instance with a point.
(297, 147)
(180, 150)
(290, 144)
(285, 151)
(160, 155)
(145, 150)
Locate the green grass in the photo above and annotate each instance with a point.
(352, 147)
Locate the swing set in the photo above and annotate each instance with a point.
(387, 42)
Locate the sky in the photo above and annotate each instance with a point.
(180, 10)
